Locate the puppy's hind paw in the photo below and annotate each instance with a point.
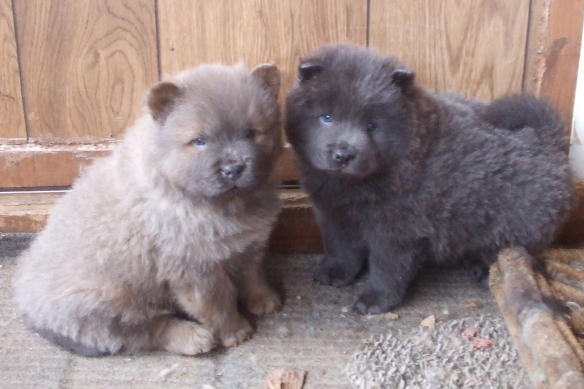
(235, 336)
(268, 301)
(334, 272)
(373, 302)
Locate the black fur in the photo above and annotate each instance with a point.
(428, 177)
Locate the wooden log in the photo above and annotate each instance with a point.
(545, 343)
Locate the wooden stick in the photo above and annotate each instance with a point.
(542, 345)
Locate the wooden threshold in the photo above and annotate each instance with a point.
(295, 231)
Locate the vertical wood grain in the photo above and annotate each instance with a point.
(12, 125)
(254, 31)
(553, 52)
(85, 65)
(474, 47)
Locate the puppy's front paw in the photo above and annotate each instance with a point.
(236, 332)
(263, 302)
(372, 301)
(332, 271)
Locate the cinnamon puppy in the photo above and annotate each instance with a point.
(155, 244)
(400, 175)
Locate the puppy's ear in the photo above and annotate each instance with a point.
(162, 98)
(268, 75)
(403, 79)
(308, 70)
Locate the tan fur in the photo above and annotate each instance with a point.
(153, 232)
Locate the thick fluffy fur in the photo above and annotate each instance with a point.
(171, 228)
(399, 175)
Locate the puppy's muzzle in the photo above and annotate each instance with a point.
(342, 154)
(232, 172)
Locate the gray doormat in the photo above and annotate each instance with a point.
(461, 353)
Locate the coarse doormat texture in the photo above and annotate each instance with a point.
(460, 353)
(315, 332)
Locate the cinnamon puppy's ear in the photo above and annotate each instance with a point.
(403, 79)
(268, 76)
(162, 98)
(308, 70)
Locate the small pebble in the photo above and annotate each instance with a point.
(283, 331)
(391, 316)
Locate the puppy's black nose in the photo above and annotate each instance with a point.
(342, 155)
(232, 171)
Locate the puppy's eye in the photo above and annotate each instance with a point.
(199, 142)
(250, 133)
(371, 127)
(326, 119)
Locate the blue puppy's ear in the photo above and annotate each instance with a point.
(403, 78)
(308, 70)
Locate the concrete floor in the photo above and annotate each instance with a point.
(315, 332)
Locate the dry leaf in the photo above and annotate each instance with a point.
(286, 379)
(429, 321)
(481, 344)
(473, 304)
(470, 332)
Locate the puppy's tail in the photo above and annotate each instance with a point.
(522, 111)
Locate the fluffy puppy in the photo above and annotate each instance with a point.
(399, 175)
(171, 228)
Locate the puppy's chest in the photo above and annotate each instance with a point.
(208, 234)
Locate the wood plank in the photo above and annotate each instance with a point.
(296, 230)
(12, 125)
(85, 66)
(26, 212)
(41, 166)
(474, 47)
(26, 166)
(254, 31)
(553, 52)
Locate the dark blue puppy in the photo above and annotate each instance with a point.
(399, 175)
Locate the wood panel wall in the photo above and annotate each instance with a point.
(553, 52)
(255, 31)
(474, 47)
(73, 72)
(12, 127)
(85, 66)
